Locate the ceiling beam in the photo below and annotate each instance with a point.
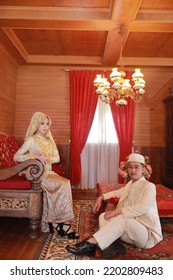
(91, 25)
(142, 26)
(116, 38)
(16, 42)
(148, 61)
(53, 13)
(112, 48)
(155, 15)
(97, 61)
(8, 55)
(98, 25)
(66, 59)
(11, 48)
(122, 8)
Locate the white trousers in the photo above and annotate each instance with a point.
(127, 229)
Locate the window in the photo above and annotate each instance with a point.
(100, 155)
(102, 130)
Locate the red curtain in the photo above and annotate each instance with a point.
(124, 118)
(83, 101)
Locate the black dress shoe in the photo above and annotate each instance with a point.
(114, 250)
(82, 248)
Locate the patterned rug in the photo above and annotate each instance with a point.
(86, 223)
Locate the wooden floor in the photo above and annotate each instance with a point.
(15, 243)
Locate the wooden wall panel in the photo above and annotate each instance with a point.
(156, 156)
(150, 124)
(64, 151)
(150, 112)
(44, 89)
(8, 74)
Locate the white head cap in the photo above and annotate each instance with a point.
(136, 157)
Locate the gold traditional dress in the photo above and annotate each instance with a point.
(57, 205)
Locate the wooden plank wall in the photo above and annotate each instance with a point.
(149, 134)
(44, 89)
(8, 74)
(150, 112)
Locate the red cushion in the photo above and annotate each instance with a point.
(8, 147)
(106, 187)
(165, 206)
(3, 149)
(57, 168)
(12, 146)
(17, 182)
(164, 200)
(164, 197)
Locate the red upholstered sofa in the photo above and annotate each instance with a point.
(18, 196)
(164, 198)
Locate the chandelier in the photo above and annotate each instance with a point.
(120, 88)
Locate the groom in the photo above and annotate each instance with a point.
(135, 219)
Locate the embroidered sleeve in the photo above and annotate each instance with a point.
(23, 153)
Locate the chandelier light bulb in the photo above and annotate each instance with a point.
(98, 80)
(126, 84)
(116, 85)
(106, 84)
(115, 75)
(137, 74)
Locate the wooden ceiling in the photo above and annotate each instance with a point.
(88, 33)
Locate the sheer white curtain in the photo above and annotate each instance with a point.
(100, 156)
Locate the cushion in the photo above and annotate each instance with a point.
(17, 182)
(58, 168)
(8, 147)
(20, 182)
(164, 200)
(164, 197)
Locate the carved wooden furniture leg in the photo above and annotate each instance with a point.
(35, 212)
(34, 226)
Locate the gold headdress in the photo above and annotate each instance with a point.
(36, 120)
